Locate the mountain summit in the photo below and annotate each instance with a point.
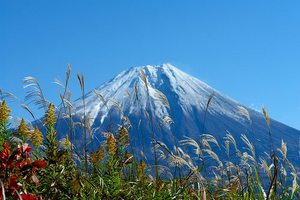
(164, 103)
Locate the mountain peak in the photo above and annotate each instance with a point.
(164, 66)
(155, 73)
(151, 70)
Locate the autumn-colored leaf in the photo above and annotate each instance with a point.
(39, 164)
(29, 197)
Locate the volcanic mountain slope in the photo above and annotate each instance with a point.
(166, 104)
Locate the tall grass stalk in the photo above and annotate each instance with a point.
(209, 100)
(84, 123)
(2, 190)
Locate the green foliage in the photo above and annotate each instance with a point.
(4, 130)
(59, 173)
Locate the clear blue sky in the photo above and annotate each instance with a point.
(249, 50)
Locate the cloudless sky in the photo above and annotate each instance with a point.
(249, 50)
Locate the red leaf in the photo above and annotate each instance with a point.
(26, 148)
(13, 183)
(39, 164)
(5, 145)
(4, 154)
(29, 197)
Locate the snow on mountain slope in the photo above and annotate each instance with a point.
(191, 92)
(166, 102)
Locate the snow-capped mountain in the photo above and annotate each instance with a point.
(168, 104)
